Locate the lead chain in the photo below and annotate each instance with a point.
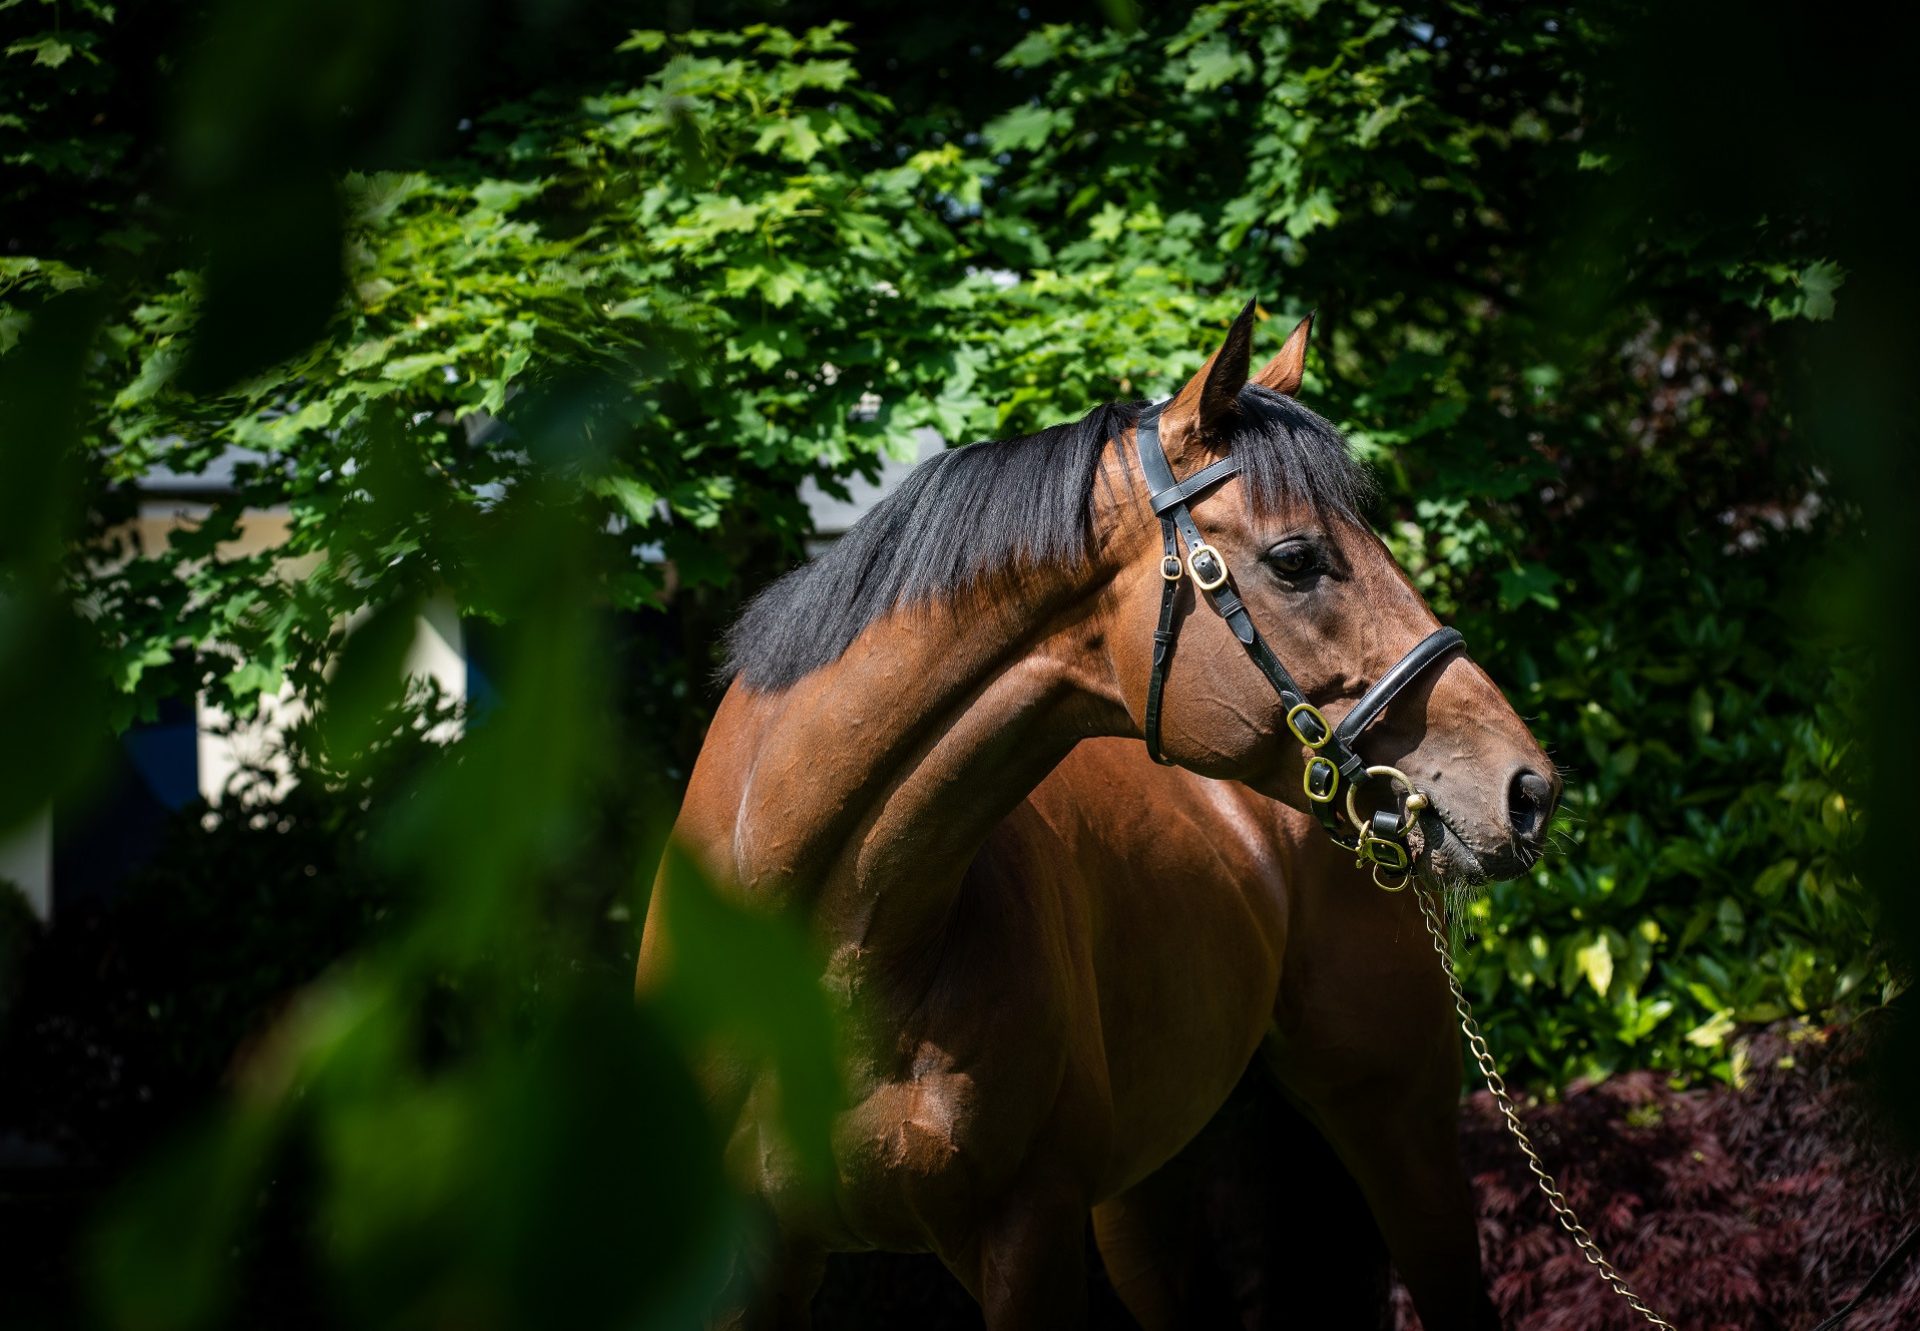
(1569, 1221)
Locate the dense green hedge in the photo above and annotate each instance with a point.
(1705, 877)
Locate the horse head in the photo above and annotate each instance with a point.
(1237, 500)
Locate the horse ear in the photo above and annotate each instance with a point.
(1198, 411)
(1283, 372)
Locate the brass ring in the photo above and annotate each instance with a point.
(1353, 791)
(1406, 876)
(1170, 568)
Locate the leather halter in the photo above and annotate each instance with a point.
(1333, 762)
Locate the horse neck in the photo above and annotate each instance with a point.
(868, 786)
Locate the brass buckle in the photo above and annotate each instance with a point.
(1326, 733)
(1391, 864)
(1193, 566)
(1170, 568)
(1389, 855)
(1332, 787)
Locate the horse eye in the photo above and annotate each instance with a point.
(1293, 559)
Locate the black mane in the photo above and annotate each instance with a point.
(965, 516)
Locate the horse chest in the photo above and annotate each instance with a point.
(963, 1058)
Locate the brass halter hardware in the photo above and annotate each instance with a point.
(1387, 857)
(1198, 557)
(1309, 710)
(1415, 801)
(1328, 779)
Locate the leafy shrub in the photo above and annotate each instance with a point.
(1705, 877)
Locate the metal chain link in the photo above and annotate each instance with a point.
(1498, 1087)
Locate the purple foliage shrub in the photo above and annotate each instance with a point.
(1760, 1208)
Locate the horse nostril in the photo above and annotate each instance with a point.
(1530, 806)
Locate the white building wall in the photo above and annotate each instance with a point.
(26, 861)
(226, 748)
(832, 515)
(439, 651)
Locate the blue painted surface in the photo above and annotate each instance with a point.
(166, 756)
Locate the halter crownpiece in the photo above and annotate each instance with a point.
(1379, 841)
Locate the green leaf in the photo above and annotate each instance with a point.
(1713, 1032)
(1773, 880)
(637, 501)
(367, 681)
(155, 375)
(1528, 582)
(365, 355)
(503, 196)
(1814, 295)
(1213, 63)
(796, 139)
(743, 979)
(1024, 127)
(429, 363)
(49, 50)
(1595, 961)
(1105, 224)
(1037, 48)
(1700, 712)
(728, 214)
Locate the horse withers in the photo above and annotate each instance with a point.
(1064, 955)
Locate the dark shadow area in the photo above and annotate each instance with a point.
(1263, 1230)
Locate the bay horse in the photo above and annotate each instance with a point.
(1063, 953)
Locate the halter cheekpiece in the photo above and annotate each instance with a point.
(1379, 841)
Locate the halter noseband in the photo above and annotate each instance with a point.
(1381, 841)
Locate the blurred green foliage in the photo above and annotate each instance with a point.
(558, 330)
